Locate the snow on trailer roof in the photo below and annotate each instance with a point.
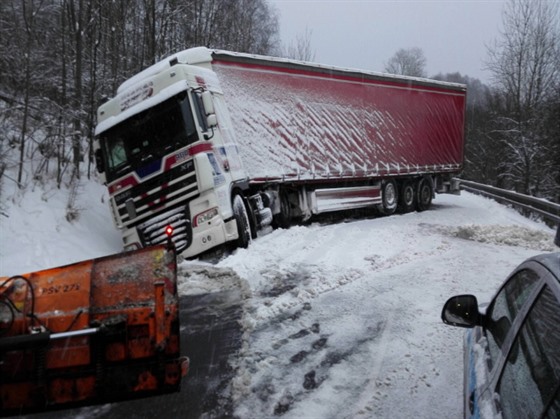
(201, 55)
(288, 63)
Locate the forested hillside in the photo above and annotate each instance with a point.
(59, 58)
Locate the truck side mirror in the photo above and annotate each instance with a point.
(461, 311)
(99, 163)
(207, 103)
(212, 121)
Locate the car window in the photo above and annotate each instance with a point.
(504, 309)
(530, 379)
(553, 409)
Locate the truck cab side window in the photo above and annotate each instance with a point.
(117, 153)
(199, 111)
(530, 380)
(188, 120)
(504, 309)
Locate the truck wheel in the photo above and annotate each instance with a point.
(242, 220)
(284, 218)
(407, 198)
(424, 194)
(389, 196)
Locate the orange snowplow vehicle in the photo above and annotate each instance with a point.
(97, 331)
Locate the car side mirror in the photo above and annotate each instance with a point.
(461, 311)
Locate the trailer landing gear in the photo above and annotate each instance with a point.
(284, 218)
(242, 220)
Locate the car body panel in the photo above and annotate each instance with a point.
(481, 374)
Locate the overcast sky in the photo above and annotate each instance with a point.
(365, 34)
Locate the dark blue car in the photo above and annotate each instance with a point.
(512, 352)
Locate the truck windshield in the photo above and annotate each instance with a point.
(148, 136)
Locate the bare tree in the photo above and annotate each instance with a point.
(238, 25)
(300, 49)
(525, 64)
(483, 153)
(407, 62)
(524, 60)
(77, 19)
(30, 14)
(58, 58)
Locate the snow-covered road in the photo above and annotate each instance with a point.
(340, 319)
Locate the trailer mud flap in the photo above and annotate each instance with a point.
(97, 331)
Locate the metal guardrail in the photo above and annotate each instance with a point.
(546, 209)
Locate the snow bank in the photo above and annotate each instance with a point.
(36, 234)
(505, 235)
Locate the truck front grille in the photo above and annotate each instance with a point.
(148, 198)
(152, 232)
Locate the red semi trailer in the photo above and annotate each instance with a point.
(216, 145)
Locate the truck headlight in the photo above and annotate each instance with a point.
(205, 216)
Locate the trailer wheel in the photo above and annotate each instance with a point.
(242, 220)
(390, 197)
(407, 198)
(424, 194)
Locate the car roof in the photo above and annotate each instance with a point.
(550, 261)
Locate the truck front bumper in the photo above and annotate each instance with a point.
(210, 235)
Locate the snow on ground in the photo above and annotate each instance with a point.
(35, 233)
(342, 319)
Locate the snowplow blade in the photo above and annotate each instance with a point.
(97, 331)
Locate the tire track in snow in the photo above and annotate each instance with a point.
(364, 407)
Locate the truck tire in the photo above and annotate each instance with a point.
(389, 197)
(242, 220)
(407, 197)
(424, 193)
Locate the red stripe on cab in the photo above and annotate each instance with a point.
(200, 148)
(122, 184)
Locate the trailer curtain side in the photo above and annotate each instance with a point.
(298, 122)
